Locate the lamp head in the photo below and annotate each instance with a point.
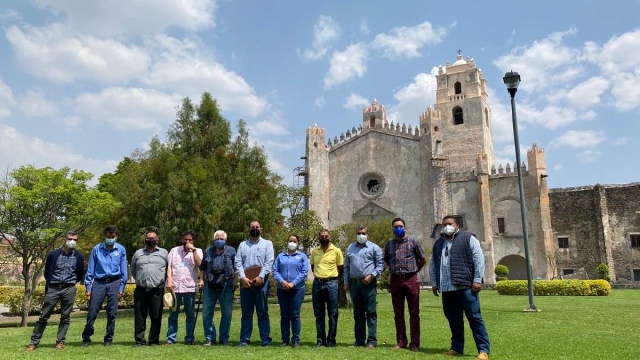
(512, 80)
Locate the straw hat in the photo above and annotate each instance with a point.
(169, 300)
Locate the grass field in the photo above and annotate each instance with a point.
(567, 328)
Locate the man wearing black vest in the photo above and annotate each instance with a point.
(456, 269)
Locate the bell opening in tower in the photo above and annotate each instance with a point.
(372, 121)
(458, 117)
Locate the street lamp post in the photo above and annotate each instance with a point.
(512, 80)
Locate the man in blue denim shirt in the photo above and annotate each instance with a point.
(290, 272)
(456, 269)
(363, 263)
(106, 278)
(255, 251)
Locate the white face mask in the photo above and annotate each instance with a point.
(71, 244)
(361, 239)
(292, 246)
(449, 230)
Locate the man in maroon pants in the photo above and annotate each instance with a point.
(405, 258)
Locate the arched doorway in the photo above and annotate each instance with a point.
(517, 266)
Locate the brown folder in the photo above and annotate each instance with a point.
(252, 272)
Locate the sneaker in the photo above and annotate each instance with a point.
(398, 347)
(284, 344)
(371, 346)
(208, 343)
(31, 347)
(451, 353)
(483, 356)
(169, 343)
(318, 345)
(60, 346)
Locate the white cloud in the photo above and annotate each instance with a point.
(501, 121)
(557, 167)
(414, 98)
(346, 65)
(364, 27)
(588, 156)
(545, 63)
(511, 36)
(355, 101)
(325, 30)
(614, 57)
(55, 53)
(406, 41)
(551, 116)
(181, 67)
(34, 105)
(124, 17)
(10, 15)
(627, 90)
(127, 108)
(6, 100)
(580, 138)
(319, 102)
(587, 93)
(273, 125)
(72, 123)
(622, 141)
(453, 24)
(17, 149)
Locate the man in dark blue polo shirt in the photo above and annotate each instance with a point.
(63, 268)
(106, 278)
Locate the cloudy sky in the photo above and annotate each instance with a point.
(84, 83)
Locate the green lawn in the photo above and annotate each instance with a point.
(567, 328)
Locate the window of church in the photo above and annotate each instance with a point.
(501, 226)
(458, 117)
(563, 242)
(636, 274)
(371, 185)
(635, 240)
(458, 87)
(372, 122)
(460, 221)
(567, 271)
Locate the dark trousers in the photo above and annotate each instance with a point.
(408, 289)
(66, 297)
(454, 304)
(363, 298)
(99, 292)
(324, 296)
(290, 303)
(250, 299)
(147, 302)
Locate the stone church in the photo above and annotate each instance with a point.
(446, 166)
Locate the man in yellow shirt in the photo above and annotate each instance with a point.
(327, 264)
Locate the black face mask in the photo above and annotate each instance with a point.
(150, 243)
(324, 241)
(254, 232)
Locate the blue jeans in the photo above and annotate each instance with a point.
(363, 298)
(209, 299)
(325, 296)
(99, 291)
(454, 304)
(255, 297)
(290, 304)
(189, 301)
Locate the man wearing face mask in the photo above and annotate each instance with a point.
(362, 265)
(327, 263)
(405, 257)
(456, 270)
(106, 277)
(254, 253)
(181, 279)
(63, 268)
(149, 268)
(219, 281)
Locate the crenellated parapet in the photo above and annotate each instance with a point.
(388, 128)
(315, 130)
(508, 170)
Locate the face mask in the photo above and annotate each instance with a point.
(150, 243)
(109, 241)
(71, 244)
(219, 244)
(399, 232)
(324, 241)
(449, 230)
(254, 233)
(361, 239)
(292, 246)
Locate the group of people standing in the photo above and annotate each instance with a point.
(456, 269)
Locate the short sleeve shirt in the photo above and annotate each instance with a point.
(325, 264)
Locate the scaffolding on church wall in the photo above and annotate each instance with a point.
(300, 179)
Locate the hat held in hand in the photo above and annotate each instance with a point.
(169, 300)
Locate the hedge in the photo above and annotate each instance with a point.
(555, 287)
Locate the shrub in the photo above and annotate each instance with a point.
(384, 279)
(603, 272)
(555, 287)
(501, 270)
(501, 278)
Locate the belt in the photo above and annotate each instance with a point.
(61, 285)
(327, 279)
(108, 279)
(403, 276)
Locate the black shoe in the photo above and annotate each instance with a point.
(331, 345)
(413, 348)
(295, 345)
(242, 344)
(266, 344)
(318, 345)
(224, 343)
(139, 344)
(186, 343)
(107, 343)
(284, 344)
(86, 343)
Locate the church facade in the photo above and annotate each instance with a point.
(445, 166)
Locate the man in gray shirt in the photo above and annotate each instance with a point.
(149, 269)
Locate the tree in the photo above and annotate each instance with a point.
(37, 207)
(302, 222)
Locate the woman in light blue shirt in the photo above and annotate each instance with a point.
(290, 272)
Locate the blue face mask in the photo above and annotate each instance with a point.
(219, 243)
(399, 232)
(109, 241)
